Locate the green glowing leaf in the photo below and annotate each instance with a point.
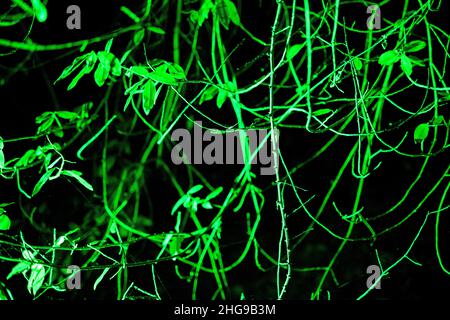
(2, 155)
(179, 203)
(232, 11)
(438, 120)
(421, 132)
(36, 279)
(77, 175)
(138, 36)
(116, 69)
(100, 278)
(3, 292)
(358, 64)
(167, 74)
(77, 78)
(293, 51)
(156, 30)
(67, 115)
(101, 74)
(130, 14)
(148, 96)
(18, 268)
(203, 13)
(28, 255)
(40, 10)
(214, 194)
(5, 222)
(415, 46)
(321, 112)
(2, 159)
(406, 65)
(104, 66)
(45, 177)
(77, 62)
(140, 71)
(388, 58)
(207, 205)
(28, 157)
(208, 94)
(109, 45)
(195, 189)
(416, 61)
(221, 98)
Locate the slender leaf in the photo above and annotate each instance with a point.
(77, 176)
(99, 279)
(42, 181)
(148, 96)
(406, 65)
(36, 279)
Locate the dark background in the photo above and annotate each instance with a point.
(27, 90)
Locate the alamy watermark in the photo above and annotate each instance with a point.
(373, 281)
(226, 148)
(374, 21)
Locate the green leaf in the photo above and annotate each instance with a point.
(415, 46)
(421, 132)
(104, 67)
(233, 14)
(109, 45)
(221, 98)
(40, 10)
(140, 71)
(227, 11)
(67, 115)
(42, 181)
(179, 203)
(43, 128)
(116, 69)
(416, 61)
(166, 75)
(75, 64)
(438, 120)
(18, 268)
(5, 222)
(321, 112)
(203, 13)
(28, 157)
(28, 255)
(138, 36)
(148, 96)
(208, 94)
(195, 189)
(358, 64)
(36, 279)
(207, 205)
(406, 65)
(214, 194)
(293, 51)
(2, 159)
(99, 279)
(2, 155)
(388, 58)
(156, 30)
(77, 176)
(176, 71)
(101, 74)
